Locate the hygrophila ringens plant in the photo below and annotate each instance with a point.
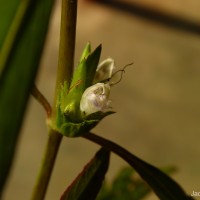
(81, 102)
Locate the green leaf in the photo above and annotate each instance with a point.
(164, 186)
(127, 185)
(89, 181)
(7, 13)
(11, 28)
(19, 62)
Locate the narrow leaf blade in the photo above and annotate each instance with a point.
(164, 186)
(18, 75)
(89, 181)
(127, 185)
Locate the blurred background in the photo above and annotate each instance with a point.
(157, 102)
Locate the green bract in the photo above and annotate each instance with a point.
(70, 121)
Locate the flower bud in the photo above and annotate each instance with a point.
(80, 106)
(104, 70)
(95, 99)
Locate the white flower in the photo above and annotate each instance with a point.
(95, 98)
(104, 70)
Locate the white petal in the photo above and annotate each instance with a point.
(104, 70)
(95, 98)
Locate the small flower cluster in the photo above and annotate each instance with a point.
(84, 101)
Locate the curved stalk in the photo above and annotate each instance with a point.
(42, 100)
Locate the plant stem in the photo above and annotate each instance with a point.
(67, 44)
(64, 73)
(52, 147)
(42, 100)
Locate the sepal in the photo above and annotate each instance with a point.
(75, 129)
(82, 78)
